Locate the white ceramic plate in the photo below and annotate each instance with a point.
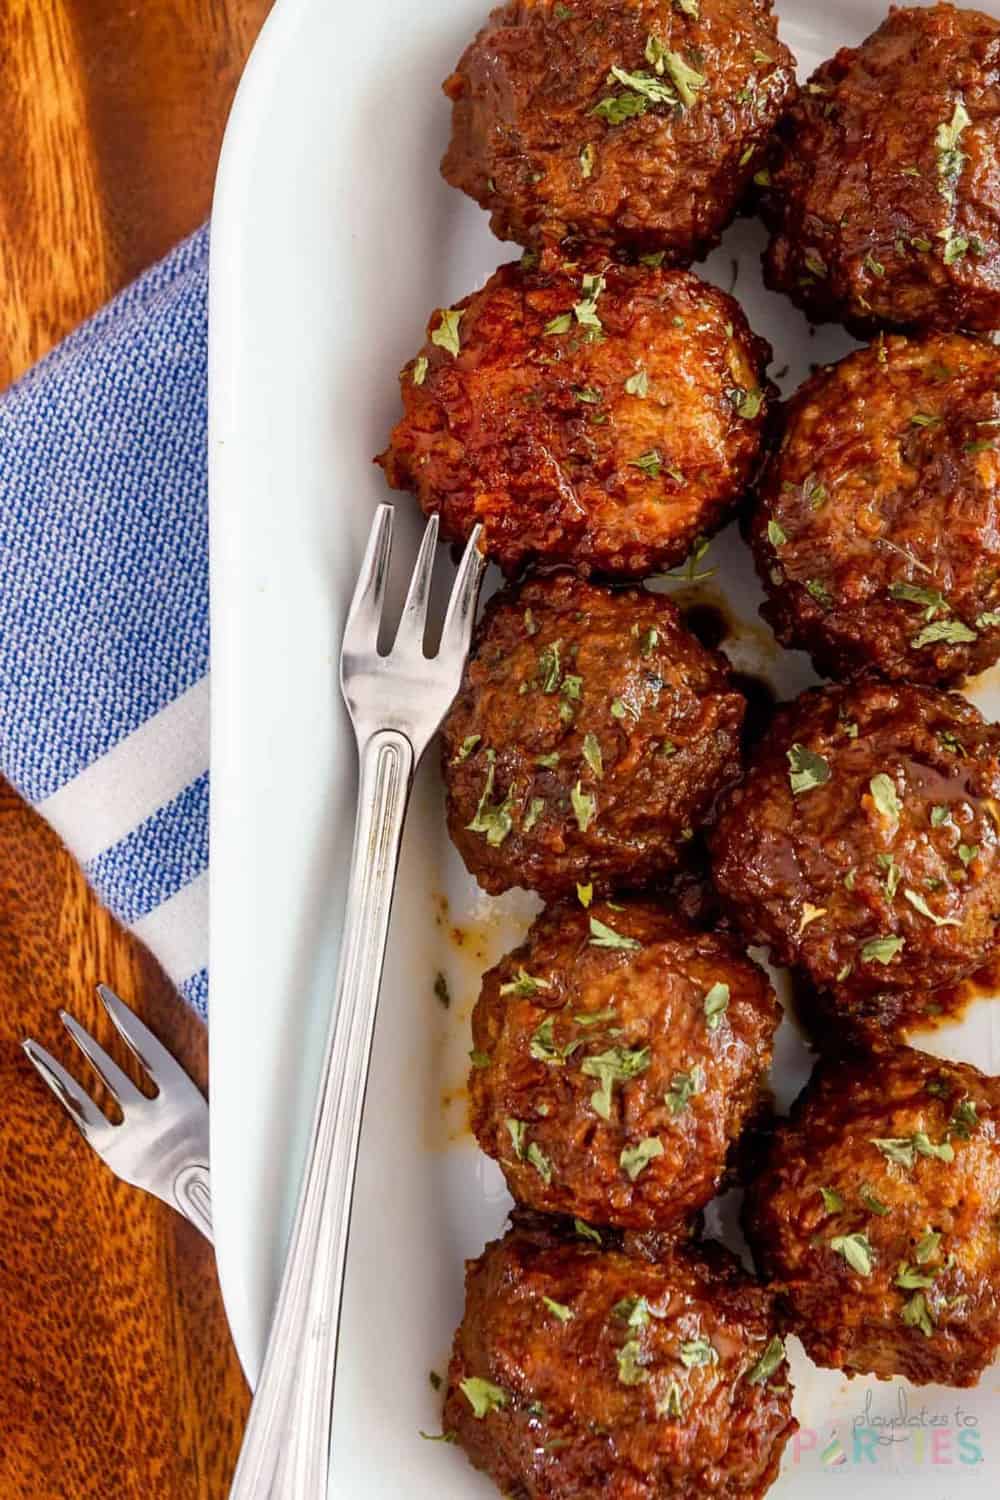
(333, 238)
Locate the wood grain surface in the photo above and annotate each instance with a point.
(117, 1375)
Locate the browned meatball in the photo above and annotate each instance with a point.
(884, 192)
(589, 738)
(580, 1373)
(863, 844)
(876, 1218)
(626, 123)
(617, 1056)
(588, 413)
(876, 534)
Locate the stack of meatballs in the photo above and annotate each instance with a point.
(600, 411)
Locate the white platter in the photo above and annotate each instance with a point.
(333, 238)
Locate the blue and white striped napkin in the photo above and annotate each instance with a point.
(104, 604)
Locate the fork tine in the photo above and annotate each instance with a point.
(413, 621)
(365, 614)
(464, 598)
(164, 1070)
(78, 1105)
(118, 1083)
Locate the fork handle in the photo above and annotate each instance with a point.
(192, 1189)
(286, 1450)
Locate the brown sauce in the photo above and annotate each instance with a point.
(708, 624)
(868, 1021)
(946, 1006)
(761, 704)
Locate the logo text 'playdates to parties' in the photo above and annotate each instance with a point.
(909, 1436)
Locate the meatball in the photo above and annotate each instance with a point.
(617, 1056)
(584, 412)
(621, 123)
(582, 1372)
(884, 192)
(589, 738)
(863, 845)
(876, 1218)
(876, 531)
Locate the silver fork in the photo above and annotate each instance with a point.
(161, 1144)
(396, 703)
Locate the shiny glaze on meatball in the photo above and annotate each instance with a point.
(863, 843)
(656, 154)
(579, 1372)
(877, 531)
(618, 1055)
(876, 1218)
(884, 194)
(588, 741)
(584, 412)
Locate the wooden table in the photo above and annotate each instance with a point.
(117, 1375)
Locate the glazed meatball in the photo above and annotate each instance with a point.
(588, 413)
(876, 1218)
(579, 1372)
(617, 1056)
(863, 844)
(621, 123)
(876, 530)
(884, 194)
(589, 738)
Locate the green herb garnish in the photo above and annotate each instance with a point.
(950, 158)
(517, 1130)
(465, 749)
(483, 1396)
(586, 1232)
(952, 632)
(493, 819)
(746, 403)
(856, 1250)
(650, 463)
(806, 770)
(630, 1371)
(882, 949)
(616, 1065)
(715, 1005)
(602, 936)
(964, 1120)
(584, 807)
(904, 1150)
(535, 808)
(698, 1352)
(537, 1158)
(927, 1246)
(683, 1087)
(919, 904)
(932, 600)
(916, 1313)
(768, 1362)
(884, 796)
(446, 334)
(560, 324)
(635, 1159)
(592, 754)
(559, 1310)
(871, 1202)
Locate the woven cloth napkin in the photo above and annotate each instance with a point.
(104, 604)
